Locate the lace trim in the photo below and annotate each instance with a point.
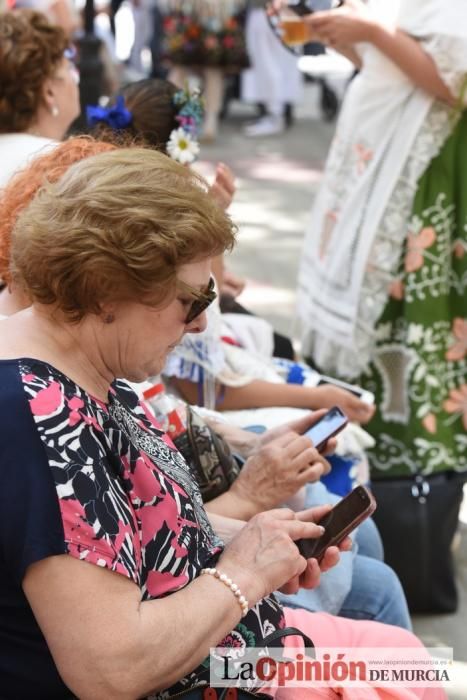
(386, 251)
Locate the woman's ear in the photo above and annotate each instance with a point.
(49, 97)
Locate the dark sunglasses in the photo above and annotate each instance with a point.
(202, 299)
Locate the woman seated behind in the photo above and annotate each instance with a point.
(103, 535)
(155, 112)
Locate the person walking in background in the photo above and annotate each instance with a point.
(205, 37)
(273, 79)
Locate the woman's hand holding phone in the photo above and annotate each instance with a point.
(310, 577)
(338, 523)
(327, 396)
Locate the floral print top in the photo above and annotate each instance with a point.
(120, 496)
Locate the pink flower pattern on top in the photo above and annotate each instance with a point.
(127, 498)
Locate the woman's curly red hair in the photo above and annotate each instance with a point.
(30, 50)
(45, 168)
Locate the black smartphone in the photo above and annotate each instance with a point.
(306, 7)
(329, 425)
(358, 505)
(357, 391)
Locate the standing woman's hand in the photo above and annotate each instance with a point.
(344, 26)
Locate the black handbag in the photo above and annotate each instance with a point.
(209, 456)
(203, 691)
(417, 518)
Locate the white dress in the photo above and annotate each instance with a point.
(273, 78)
(17, 150)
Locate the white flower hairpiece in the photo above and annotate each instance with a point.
(183, 141)
(182, 147)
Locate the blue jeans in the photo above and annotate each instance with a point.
(376, 594)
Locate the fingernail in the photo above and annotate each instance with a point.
(321, 529)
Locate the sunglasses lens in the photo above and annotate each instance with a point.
(200, 305)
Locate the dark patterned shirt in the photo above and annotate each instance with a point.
(100, 482)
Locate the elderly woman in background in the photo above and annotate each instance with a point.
(39, 96)
(103, 536)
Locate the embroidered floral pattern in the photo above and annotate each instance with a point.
(419, 373)
(458, 350)
(457, 403)
(416, 245)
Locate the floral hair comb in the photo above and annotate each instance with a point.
(183, 144)
(117, 117)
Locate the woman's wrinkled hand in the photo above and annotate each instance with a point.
(263, 557)
(310, 578)
(278, 468)
(299, 426)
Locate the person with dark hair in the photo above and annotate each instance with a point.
(156, 113)
(154, 110)
(38, 87)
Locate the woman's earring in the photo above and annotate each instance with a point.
(109, 318)
(55, 111)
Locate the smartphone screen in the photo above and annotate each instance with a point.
(331, 423)
(358, 505)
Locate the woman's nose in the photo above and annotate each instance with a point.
(198, 325)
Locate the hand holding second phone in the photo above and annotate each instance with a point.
(282, 463)
(299, 426)
(263, 557)
(354, 408)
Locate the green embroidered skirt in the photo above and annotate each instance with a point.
(419, 370)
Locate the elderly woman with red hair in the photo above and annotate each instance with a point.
(48, 167)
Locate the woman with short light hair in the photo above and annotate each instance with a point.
(113, 582)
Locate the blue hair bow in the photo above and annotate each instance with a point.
(117, 117)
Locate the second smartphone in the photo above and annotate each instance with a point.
(358, 505)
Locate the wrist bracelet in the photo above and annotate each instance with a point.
(242, 601)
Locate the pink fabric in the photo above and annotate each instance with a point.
(330, 631)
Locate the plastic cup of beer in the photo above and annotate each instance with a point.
(294, 30)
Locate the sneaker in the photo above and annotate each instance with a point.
(266, 126)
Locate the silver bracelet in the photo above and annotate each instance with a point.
(242, 601)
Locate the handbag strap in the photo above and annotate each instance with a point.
(288, 632)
